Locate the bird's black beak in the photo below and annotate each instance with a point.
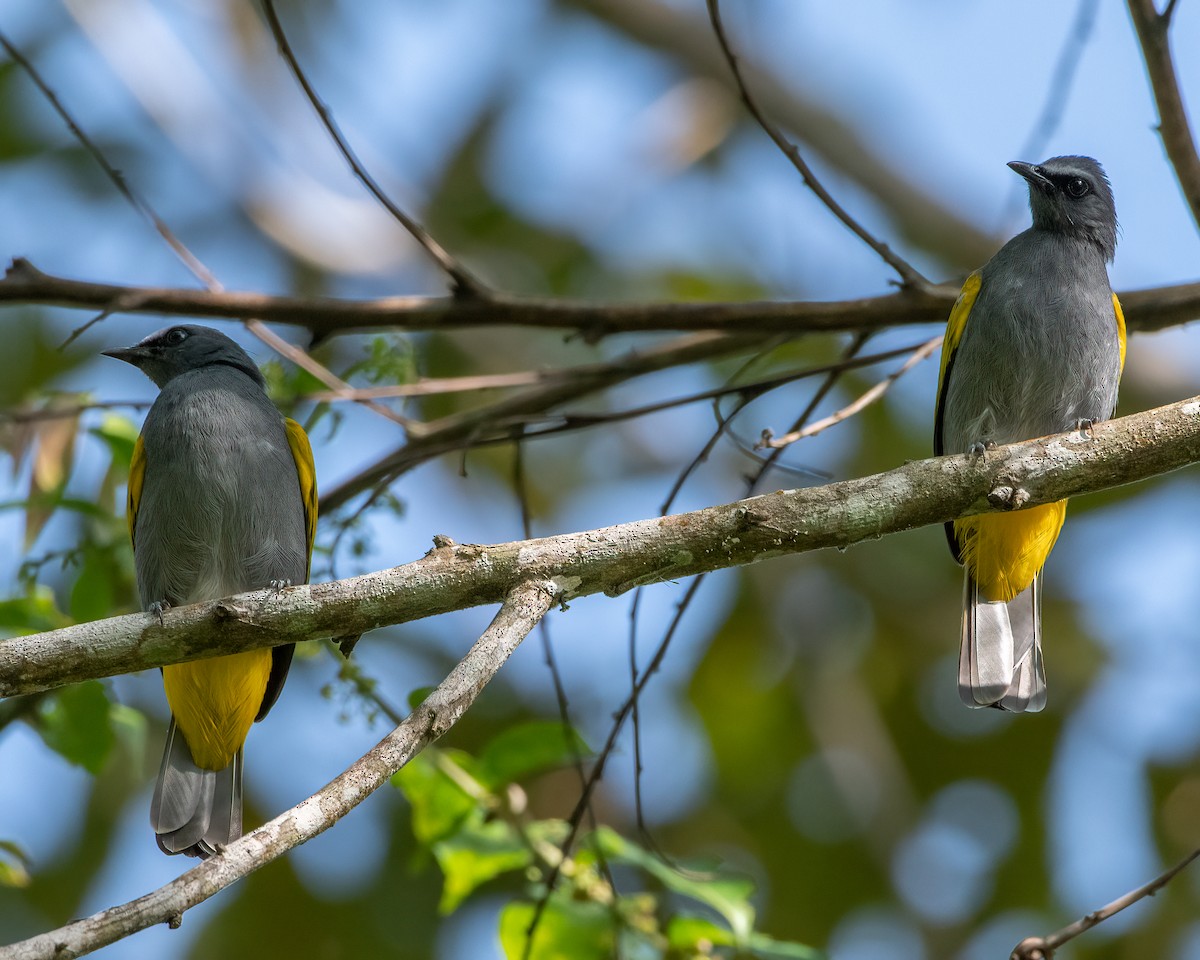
(135, 355)
(1033, 174)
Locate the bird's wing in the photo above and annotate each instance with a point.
(306, 471)
(954, 331)
(137, 479)
(1120, 330)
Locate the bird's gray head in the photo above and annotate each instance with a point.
(165, 355)
(1072, 196)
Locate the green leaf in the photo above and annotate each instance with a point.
(700, 935)
(476, 853)
(32, 613)
(728, 894)
(417, 697)
(527, 749)
(120, 434)
(93, 596)
(77, 725)
(568, 930)
(14, 865)
(130, 727)
(439, 805)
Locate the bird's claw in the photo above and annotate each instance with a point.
(980, 447)
(157, 608)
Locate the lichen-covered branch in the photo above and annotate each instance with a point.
(615, 559)
(524, 606)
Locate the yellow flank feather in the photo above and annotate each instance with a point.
(1120, 331)
(215, 701)
(958, 323)
(1005, 551)
(137, 478)
(306, 470)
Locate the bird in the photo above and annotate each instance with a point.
(222, 499)
(1034, 345)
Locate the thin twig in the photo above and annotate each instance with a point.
(434, 386)
(1058, 92)
(520, 483)
(1043, 948)
(465, 283)
(1153, 31)
(132, 299)
(866, 399)
(303, 360)
(910, 276)
(189, 259)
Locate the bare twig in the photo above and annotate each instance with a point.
(465, 283)
(1058, 91)
(132, 298)
(1153, 31)
(186, 257)
(865, 400)
(924, 216)
(1043, 948)
(507, 416)
(440, 385)
(910, 276)
(302, 359)
(525, 605)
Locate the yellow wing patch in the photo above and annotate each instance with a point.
(954, 331)
(137, 479)
(306, 471)
(1120, 331)
(958, 323)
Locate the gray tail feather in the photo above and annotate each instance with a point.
(195, 811)
(1000, 656)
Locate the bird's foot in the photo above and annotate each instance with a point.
(980, 447)
(1086, 425)
(157, 608)
(279, 585)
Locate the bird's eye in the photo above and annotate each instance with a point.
(1077, 187)
(177, 336)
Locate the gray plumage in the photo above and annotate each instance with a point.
(1039, 354)
(221, 512)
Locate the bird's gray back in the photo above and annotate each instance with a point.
(1040, 350)
(221, 510)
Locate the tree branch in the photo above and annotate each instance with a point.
(1044, 948)
(1153, 30)
(525, 605)
(616, 559)
(1145, 310)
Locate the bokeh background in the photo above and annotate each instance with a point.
(805, 726)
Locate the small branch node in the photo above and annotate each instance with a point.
(223, 612)
(1032, 948)
(1006, 496)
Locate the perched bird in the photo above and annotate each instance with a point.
(222, 499)
(1035, 345)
